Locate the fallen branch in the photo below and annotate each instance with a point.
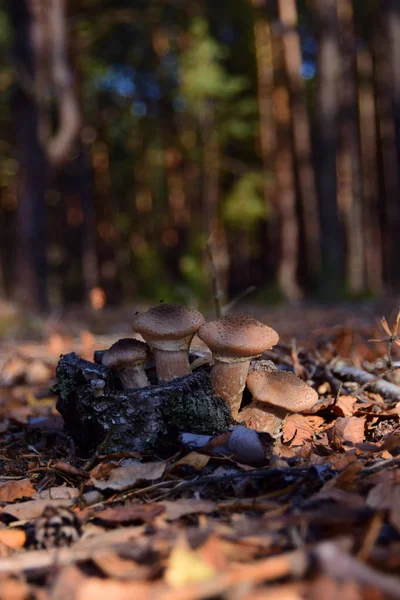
(379, 386)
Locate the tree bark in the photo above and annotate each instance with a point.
(301, 134)
(383, 73)
(31, 269)
(327, 123)
(267, 133)
(373, 236)
(350, 193)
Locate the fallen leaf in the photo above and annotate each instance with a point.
(70, 470)
(187, 506)
(185, 566)
(12, 538)
(298, 428)
(344, 407)
(193, 459)
(13, 589)
(61, 492)
(130, 513)
(116, 566)
(348, 429)
(32, 509)
(15, 489)
(95, 588)
(102, 470)
(124, 478)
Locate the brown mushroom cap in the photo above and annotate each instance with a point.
(238, 336)
(282, 389)
(168, 321)
(125, 352)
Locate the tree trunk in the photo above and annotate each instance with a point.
(31, 272)
(350, 197)
(384, 69)
(327, 123)
(301, 133)
(373, 236)
(218, 251)
(267, 134)
(284, 171)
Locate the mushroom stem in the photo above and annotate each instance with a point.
(133, 377)
(171, 363)
(228, 377)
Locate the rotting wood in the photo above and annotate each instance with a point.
(94, 407)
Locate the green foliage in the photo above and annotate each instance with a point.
(5, 29)
(202, 73)
(244, 206)
(207, 85)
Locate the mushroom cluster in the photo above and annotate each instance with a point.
(234, 340)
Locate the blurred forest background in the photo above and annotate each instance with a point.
(133, 132)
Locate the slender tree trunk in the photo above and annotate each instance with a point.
(31, 275)
(383, 72)
(373, 237)
(211, 182)
(267, 135)
(327, 123)
(350, 197)
(301, 133)
(284, 171)
(393, 23)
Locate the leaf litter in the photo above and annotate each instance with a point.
(319, 516)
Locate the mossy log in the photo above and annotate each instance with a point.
(97, 411)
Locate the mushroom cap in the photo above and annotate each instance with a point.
(283, 389)
(168, 322)
(125, 352)
(238, 336)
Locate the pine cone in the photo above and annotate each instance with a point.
(56, 527)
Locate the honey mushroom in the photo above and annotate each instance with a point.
(275, 395)
(234, 341)
(127, 358)
(169, 329)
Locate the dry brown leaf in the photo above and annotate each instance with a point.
(12, 538)
(61, 492)
(124, 478)
(16, 489)
(67, 583)
(193, 459)
(116, 566)
(70, 470)
(187, 506)
(346, 477)
(95, 588)
(298, 428)
(13, 589)
(129, 513)
(342, 497)
(345, 406)
(348, 429)
(102, 470)
(32, 509)
(186, 566)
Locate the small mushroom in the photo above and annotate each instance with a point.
(234, 340)
(169, 330)
(127, 358)
(275, 394)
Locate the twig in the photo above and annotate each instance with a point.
(217, 292)
(227, 307)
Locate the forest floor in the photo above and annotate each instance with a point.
(320, 519)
